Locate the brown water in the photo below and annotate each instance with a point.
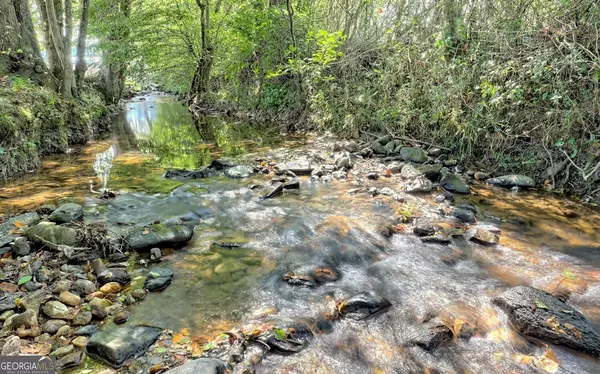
(547, 242)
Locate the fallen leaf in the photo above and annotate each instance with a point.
(279, 334)
(574, 330)
(146, 231)
(177, 338)
(540, 305)
(24, 280)
(19, 224)
(160, 350)
(548, 361)
(185, 332)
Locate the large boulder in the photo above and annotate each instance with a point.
(67, 213)
(364, 305)
(118, 345)
(52, 235)
(413, 154)
(540, 315)
(158, 235)
(453, 183)
(513, 180)
(200, 366)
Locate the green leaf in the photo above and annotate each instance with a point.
(567, 311)
(24, 280)
(209, 346)
(568, 274)
(154, 275)
(279, 334)
(160, 350)
(540, 305)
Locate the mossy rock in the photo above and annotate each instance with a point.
(158, 235)
(47, 232)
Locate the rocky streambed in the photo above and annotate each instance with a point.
(328, 257)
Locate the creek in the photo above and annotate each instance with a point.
(230, 273)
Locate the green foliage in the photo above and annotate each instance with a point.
(35, 121)
(24, 280)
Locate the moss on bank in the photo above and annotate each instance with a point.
(35, 121)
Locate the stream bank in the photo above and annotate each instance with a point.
(353, 264)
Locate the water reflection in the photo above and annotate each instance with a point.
(164, 128)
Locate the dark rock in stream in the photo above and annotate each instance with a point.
(463, 215)
(114, 275)
(540, 315)
(508, 181)
(158, 279)
(158, 235)
(298, 336)
(118, 345)
(276, 191)
(200, 366)
(70, 360)
(430, 335)
(425, 229)
(292, 185)
(364, 305)
(67, 213)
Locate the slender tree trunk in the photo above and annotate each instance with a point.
(69, 87)
(201, 79)
(114, 72)
(80, 64)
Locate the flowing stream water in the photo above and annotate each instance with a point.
(230, 273)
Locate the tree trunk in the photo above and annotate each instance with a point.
(80, 64)
(53, 58)
(68, 87)
(21, 54)
(201, 79)
(113, 73)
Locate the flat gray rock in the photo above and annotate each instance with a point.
(118, 345)
(158, 235)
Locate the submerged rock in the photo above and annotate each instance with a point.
(158, 279)
(158, 235)
(239, 171)
(52, 235)
(513, 180)
(67, 213)
(364, 305)
(464, 215)
(540, 315)
(276, 191)
(199, 366)
(430, 335)
(483, 235)
(121, 344)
